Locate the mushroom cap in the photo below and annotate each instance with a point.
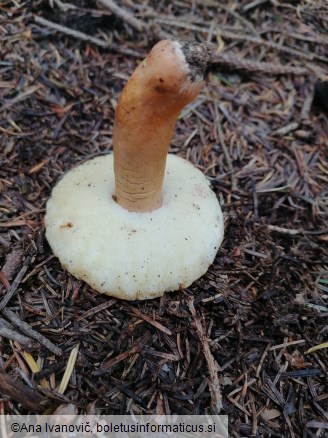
(132, 255)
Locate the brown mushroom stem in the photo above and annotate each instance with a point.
(169, 78)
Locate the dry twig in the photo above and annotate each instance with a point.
(68, 31)
(27, 329)
(7, 331)
(214, 384)
(125, 15)
(27, 397)
(12, 289)
(235, 63)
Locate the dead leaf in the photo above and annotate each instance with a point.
(12, 263)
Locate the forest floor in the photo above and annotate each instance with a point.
(249, 338)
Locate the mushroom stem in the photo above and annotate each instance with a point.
(169, 78)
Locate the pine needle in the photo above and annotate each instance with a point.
(35, 368)
(317, 347)
(69, 369)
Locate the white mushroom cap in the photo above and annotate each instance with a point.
(112, 221)
(133, 255)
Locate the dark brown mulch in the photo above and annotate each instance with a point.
(259, 131)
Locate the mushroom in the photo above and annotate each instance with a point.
(139, 222)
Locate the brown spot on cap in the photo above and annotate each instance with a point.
(68, 225)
